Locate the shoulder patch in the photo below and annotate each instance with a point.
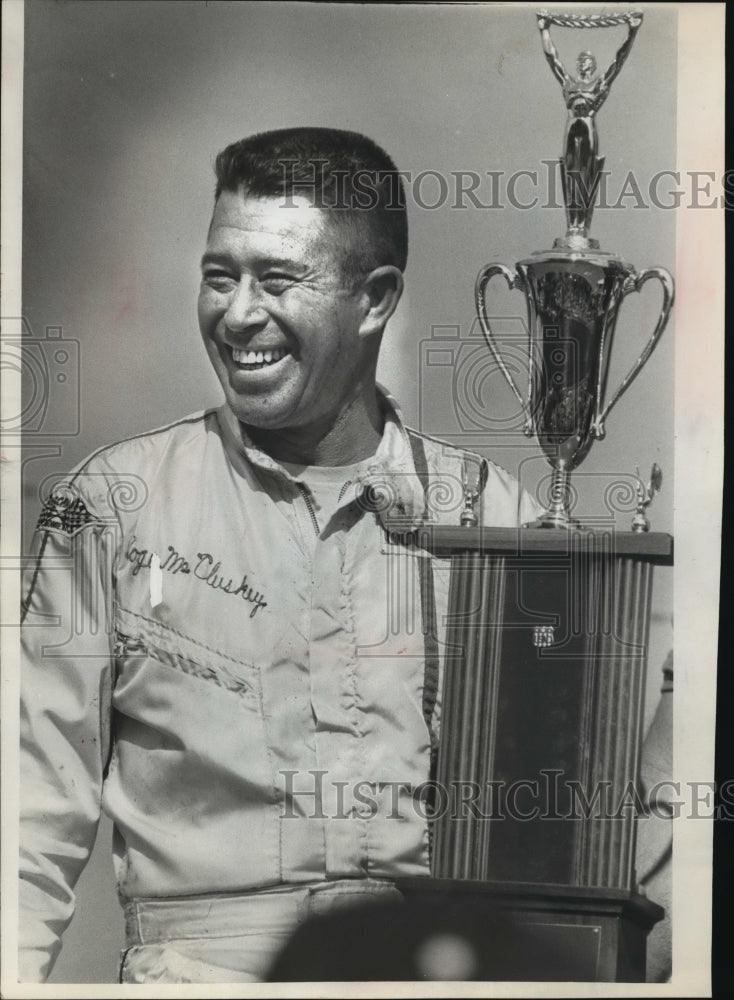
(64, 511)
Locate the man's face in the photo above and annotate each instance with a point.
(279, 324)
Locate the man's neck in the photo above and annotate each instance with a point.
(354, 436)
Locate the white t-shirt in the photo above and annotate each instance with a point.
(328, 484)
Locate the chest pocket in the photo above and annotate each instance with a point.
(188, 721)
(140, 640)
(138, 637)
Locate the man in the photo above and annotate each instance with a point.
(250, 646)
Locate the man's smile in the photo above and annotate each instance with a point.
(252, 360)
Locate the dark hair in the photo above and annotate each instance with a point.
(344, 173)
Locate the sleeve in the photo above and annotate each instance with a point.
(655, 828)
(505, 503)
(66, 682)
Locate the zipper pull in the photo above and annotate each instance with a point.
(124, 644)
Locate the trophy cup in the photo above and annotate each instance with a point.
(573, 292)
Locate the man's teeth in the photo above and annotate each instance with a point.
(258, 357)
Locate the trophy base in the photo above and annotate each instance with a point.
(555, 521)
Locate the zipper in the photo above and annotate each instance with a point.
(306, 494)
(309, 506)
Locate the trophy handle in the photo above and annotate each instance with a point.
(514, 280)
(633, 284)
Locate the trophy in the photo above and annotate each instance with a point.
(546, 635)
(573, 292)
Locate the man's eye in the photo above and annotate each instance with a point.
(219, 280)
(276, 282)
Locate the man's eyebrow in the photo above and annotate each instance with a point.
(212, 257)
(269, 260)
(283, 260)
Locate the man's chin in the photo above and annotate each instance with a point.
(263, 418)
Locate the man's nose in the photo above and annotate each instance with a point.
(245, 307)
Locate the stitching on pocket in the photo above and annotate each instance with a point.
(126, 645)
(182, 635)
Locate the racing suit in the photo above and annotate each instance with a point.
(243, 691)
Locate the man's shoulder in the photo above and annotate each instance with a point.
(504, 501)
(434, 446)
(120, 476)
(447, 455)
(129, 453)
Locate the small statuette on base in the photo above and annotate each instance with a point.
(640, 522)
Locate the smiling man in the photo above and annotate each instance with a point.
(292, 319)
(247, 675)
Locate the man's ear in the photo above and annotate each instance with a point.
(381, 291)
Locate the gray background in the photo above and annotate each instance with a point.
(127, 103)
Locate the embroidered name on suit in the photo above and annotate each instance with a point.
(204, 568)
